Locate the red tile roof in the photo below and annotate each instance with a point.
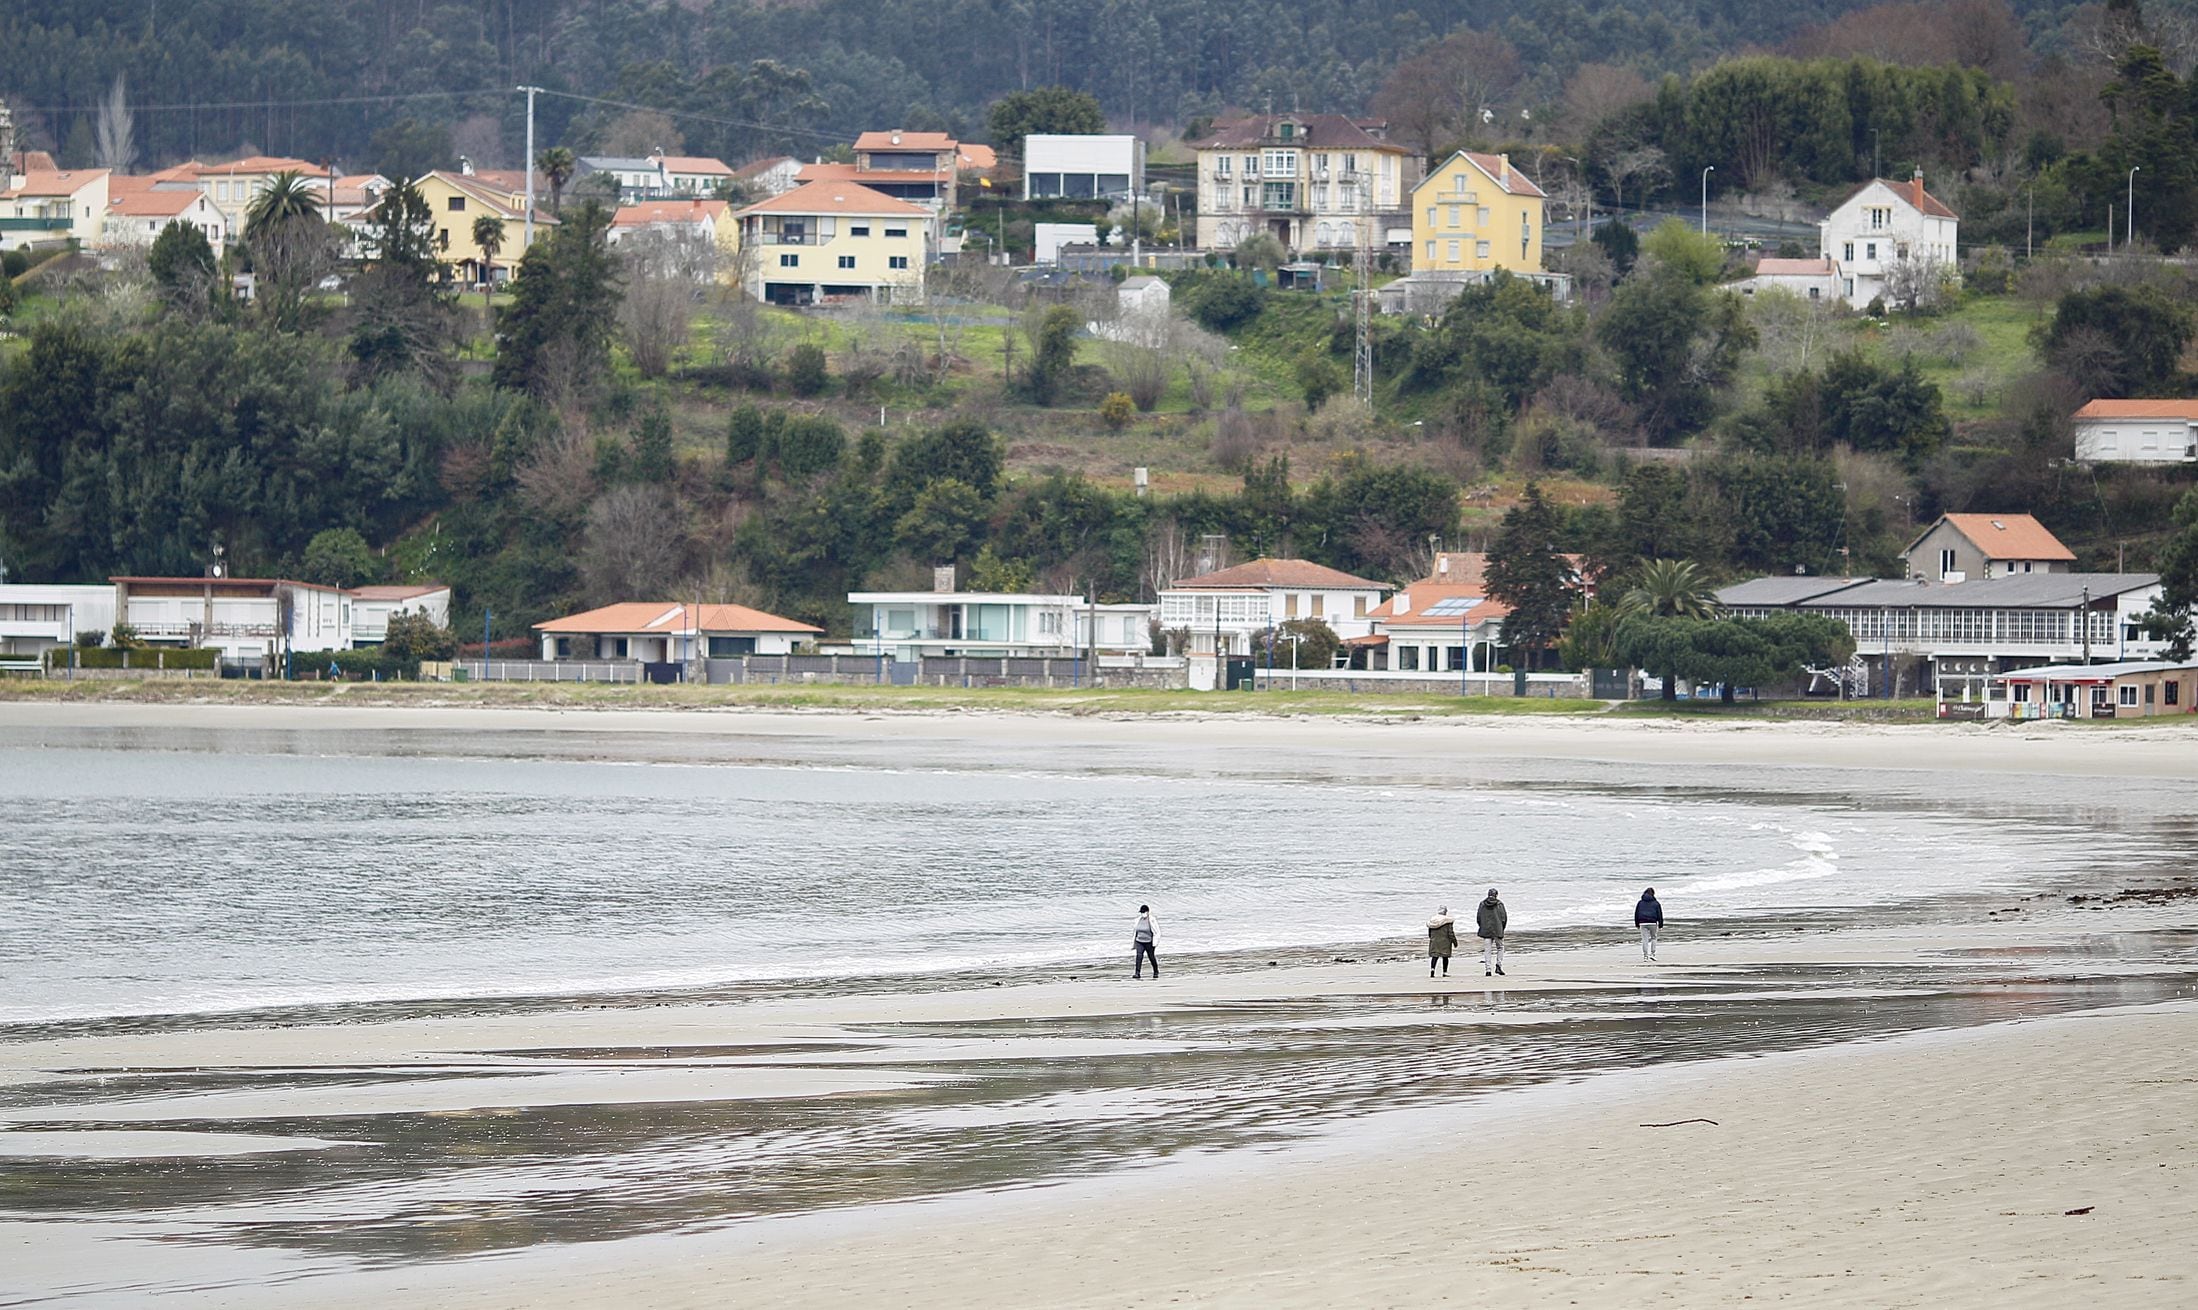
(977, 159)
(670, 616)
(837, 197)
(1818, 267)
(2004, 536)
(150, 201)
(905, 141)
(2178, 409)
(757, 167)
(263, 164)
(399, 591)
(65, 183)
(1504, 173)
(1261, 574)
(1911, 191)
(647, 212)
(850, 173)
(695, 164)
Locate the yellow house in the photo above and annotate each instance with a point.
(833, 239)
(1476, 213)
(42, 208)
(456, 201)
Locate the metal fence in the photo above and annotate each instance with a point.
(551, 670)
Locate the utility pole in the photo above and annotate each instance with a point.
(1706, 197)
(1362, 270)
(2030, 222)
(2129, 207)
(528, 240)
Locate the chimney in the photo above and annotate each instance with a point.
(1442, 566)
(942, 578)
(1506, 170)
(1404, 603)
(896, 138)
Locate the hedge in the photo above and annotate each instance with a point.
(112, 657)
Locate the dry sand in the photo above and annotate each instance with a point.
(1935, 1170)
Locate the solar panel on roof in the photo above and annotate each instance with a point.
(1450, 608)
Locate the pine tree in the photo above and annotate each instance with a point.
(1527, 572)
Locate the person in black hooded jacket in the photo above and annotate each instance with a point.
(1648, 916)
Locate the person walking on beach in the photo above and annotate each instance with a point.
(1648, 916)
(1144, 939)
(1442, 939)
(1490, 923)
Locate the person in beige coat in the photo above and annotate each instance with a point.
(1442, 939)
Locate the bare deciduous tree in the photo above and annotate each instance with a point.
(1644, 164)
(631, 548)
(1790, 330)
(1436, 96)
(116, 136)
(557, 479)
(666, 273)
(1597, 91)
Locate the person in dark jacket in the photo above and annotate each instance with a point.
(1146, 943)
(1442, 939)
(1489, 921)
(1648, 916)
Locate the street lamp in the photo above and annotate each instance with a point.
(2129, 207)
(1588, 227)
(1706, 197)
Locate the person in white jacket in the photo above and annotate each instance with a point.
(1145, 940)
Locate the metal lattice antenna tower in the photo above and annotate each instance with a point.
(1362, 271)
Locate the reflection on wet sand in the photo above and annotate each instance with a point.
(574, 1144)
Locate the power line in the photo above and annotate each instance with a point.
(837, 138)
(269, 104)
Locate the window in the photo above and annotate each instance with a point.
(847, 261)
(1280, 195)
(1430, 216)
(1849, 256)
(457, 204)
(896, 261)
(1946, 564)
(1358, 607)
(1869, 251)
(1454, 215)
(442, 237)
(1320, 605)
(1279, 163)
(789, 261)
(1430, 252)
(896, 231)
(1454, 250)
(2171, 693)
(1878, 217)
(858, 229)
(1482, 216)
(618, 648)
(1321, 160)
(1289, 605)
(1289, 130)
(1251, 165)
(1480, 249)
(2129, 695)
(1221, 165)
(1350, 163)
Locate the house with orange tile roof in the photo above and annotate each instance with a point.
(1227, 609)
(2137, 432)
(1445, 622)
(1882, 226)
(372, 607)
(457, 200)
(139, 207)
(832, 240)
(684, 225)
(916, 166)
(53, 209)
(1962, 547)
(1476, 213)
(234, 185)
(671, 632)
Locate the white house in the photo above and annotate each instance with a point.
(668, 632)
(771, 176)
(53, 208)
(2137, 432)
(1078, 167)
(1312, 181)
(1231, 606)
(1884, 225)
(1122, 629)
(246, 619)
(1966, 547)
(138, 208)
(1810, 279)
(1142, 294)
(373, 607)
(35, 617)
(908, 625)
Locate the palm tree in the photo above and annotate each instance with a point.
(557, 165)
(1668, 589)
(288, 195)
(488, 234)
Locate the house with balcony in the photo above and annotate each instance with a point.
(457, 200)
(36, 617)
(1315, 182)
(373, 607)
(671, 632)
(43, 209)
(1965, 547)
(684, 223)
(248, 620)
(908, 625)
(829, 240)
(1227, 608)
(1474, 214)
(235, 185)
(1882, 226)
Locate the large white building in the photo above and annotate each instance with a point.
(35, 617)
(1882, 226)
(1231, 606)
(669, 632)
(1082, 167)
(2137, 432)
(246, 619)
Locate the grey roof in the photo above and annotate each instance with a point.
(618, 164)
(2021, 591)
(1782, 589)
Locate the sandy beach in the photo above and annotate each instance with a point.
(1983, 1104)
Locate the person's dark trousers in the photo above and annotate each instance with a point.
(1145, 952)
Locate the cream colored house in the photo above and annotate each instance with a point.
(234, 185)
(137, 210)
(684, 223)
(833, 239)
(456, 201)
(51, 209)
(1476, 213)
(1312, 181)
